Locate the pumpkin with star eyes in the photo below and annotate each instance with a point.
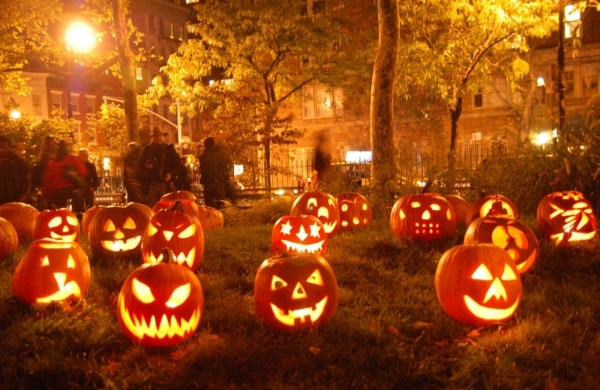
(355, 210)
(160, 304)
(22, 216)
(478, 284)
(9, 240)
(117, 230)
(210, 218)
(565, 217)
(295, 292)
(302, 234)
(510, 234)
(181, 232)
(423, 217)
(52, 271)
(59, 224)
(186, 198)
(321, 205)
(491, 205)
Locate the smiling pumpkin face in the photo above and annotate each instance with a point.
(478, 284)
(302, 234)
(59, 224)
(321, 205)
(297, 292)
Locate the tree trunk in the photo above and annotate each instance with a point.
(127, 65)
(383, 167)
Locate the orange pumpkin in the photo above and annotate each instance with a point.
(493, 205)
(60, 224)
(321, 205)
(302, 234)
(187, 199)
(425, 217)
(462, 208)
(566, 217)
(22, 216)
(9, 240)
(210, 218)
(355, 210)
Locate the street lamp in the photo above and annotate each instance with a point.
(80, 38)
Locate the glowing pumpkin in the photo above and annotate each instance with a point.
(478, 284)
(179, 231)
(87, 217)
(355, 210)
(566, 217)
(186, 198)
(510, 234)
(117, 230)
(210, 218)
(424, 217)
(491, 205)
(22, 216)
(59, 224)
(302, 234)
(462, 208)
(295, 292)
(321, 205)
(9, 240)
(160, 304)
(52, 271)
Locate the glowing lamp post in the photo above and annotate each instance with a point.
(81, 38)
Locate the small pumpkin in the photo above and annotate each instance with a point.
(210, 218)
(424, 217)
(565, 217)
(22, 216)
(9, 240)
(160, 304)
(355, 210)
(478, 284)
(187, 199)
(295, 292)
(321, 205)
(302, 234)
(462, 208)
(52, 271)
(490, 205)
(60, 224)
(87, 217)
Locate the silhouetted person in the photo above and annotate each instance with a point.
(133, 176)
(64, 175)
(92, 180)
(47, 152)
(14, 174)
(321, 163)
(214, 173)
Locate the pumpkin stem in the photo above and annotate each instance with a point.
(178, 206)
(167, 255)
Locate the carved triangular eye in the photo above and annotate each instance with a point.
(277, 283)
(179, 296)
(482, 273)
(188, 232)
(129, 224)
(142, 291)
(109, 226)
(315, 278)
(508, 273)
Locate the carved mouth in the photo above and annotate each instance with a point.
(306, 315)
(300, 248)
(181, 258)
(65, 290)
(70, 237)
(488, 313)
(120, 245)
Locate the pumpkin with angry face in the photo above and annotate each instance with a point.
(566, 217)
(295, 292)
(186, 198)
(302, 234)
(160, 304)
(319, 204)
(52, 271)
(355, 210)
(60, 224)
(478, 284)
(423, 217)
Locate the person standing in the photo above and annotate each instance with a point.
(47, 152)
(14, 174)
(214, 173)
(64, 175)
(133, 176)
(321, 163)
(160, 162)
(92, 179)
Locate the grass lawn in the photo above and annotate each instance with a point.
(389, 331)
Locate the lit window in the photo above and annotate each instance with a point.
(75, 103)
(138, 74)
(478, 99)
(90, 105)
(358, 156)
(572, 22)
(36, 101)
(319, 101)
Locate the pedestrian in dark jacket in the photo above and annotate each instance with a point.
(14, 174)
(92, 180)
(134, 178)
(214, 173)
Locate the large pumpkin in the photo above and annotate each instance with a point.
(566, 217)
(355, 210)
(117, 230)
(302, 234)
(60, 224)
(52, 271)
(181, 232)
(478, 284)
(295, 292)
(490, 205)
(9, 240)
(321, 205)
(160, 304)
(22, 216)
(425, 217)
(510, 234)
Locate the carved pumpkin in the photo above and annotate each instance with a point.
(478, 284)
(295, 292)
(425, 217)
(187, 199)
(510, 234)
(462, 208)
(491, 205)
(87, 217)
(566, 217)
(210, 218)
(160, 304)
(52, 271)
(22, 216)
(321, 205)
(118, 229)
(179, 231)
(9, 240)
(355, 210)
(59, 224)
(302, 234)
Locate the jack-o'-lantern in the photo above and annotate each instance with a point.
(160, 304)
(9, 240)
(566, 217)
(510, 234)
(302, 234)
(462, 208)
(210, 218)
(491, 205)
(295, 292)
(424, 217)
(22, 216)
(187, 199)
(478, 284)
(179, 231)
(117, 230)
(60, 224)
(321, 205)
(87, 217)
(355, 210)
(52, 271)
